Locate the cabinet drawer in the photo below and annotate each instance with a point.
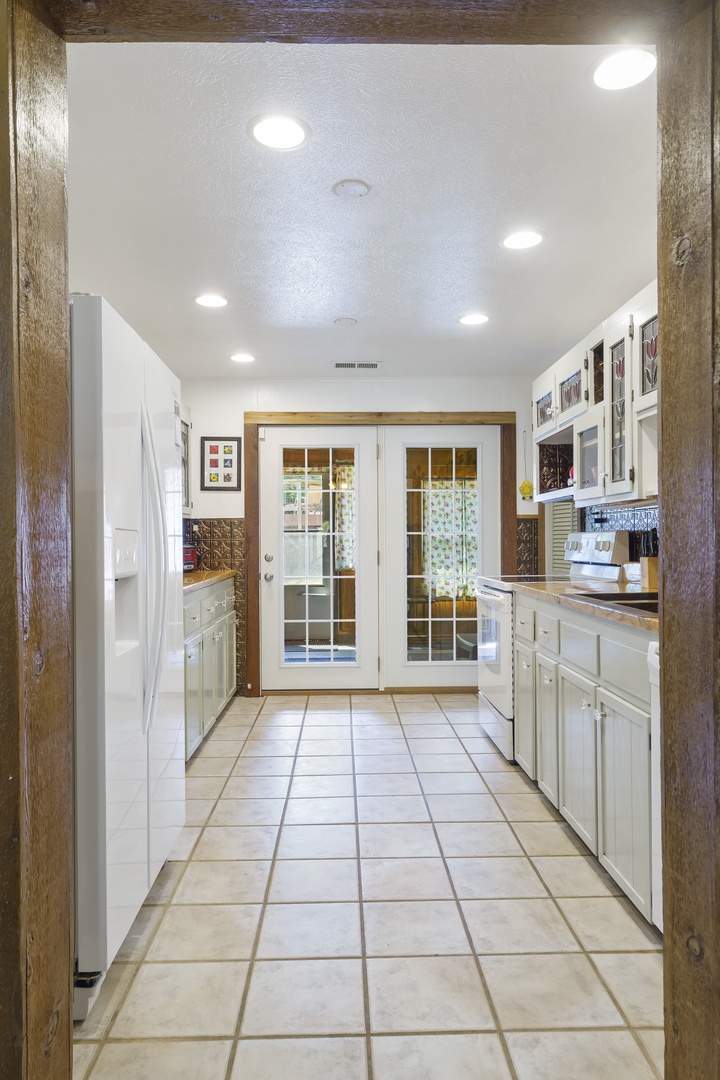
(207, 608)
(547, 632)
(191, 618)
(525, 623)
(579, 647)
(625, 667)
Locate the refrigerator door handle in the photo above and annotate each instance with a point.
(160, 600)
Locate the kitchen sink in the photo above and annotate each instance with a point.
(650, 606)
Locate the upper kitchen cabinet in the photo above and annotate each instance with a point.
(619, 472)
(646, 368)
(595, 412)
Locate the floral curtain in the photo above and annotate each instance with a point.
(450, 537)
(344, 479)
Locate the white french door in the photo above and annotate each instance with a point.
(328, 621)
(441, 528)
(318, 558)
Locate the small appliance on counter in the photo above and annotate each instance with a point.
(190, 559)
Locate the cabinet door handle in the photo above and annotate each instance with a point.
(521, 622)
(194, 618)
(542, 631)
(190, 655)
(547, 680)
(585, 705)
(219, 637)
(599, 715)
(525, 665)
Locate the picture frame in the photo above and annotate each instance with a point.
(220, 463)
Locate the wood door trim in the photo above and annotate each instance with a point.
(508, 504)
(381, 419)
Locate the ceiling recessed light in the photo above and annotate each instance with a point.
(346, 321)
(520, 240)
(473, 319)
(279, 132)
(628, 67)
(210, 300)
(242, 358)
(351, 189)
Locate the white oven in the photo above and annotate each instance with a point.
(495, 665)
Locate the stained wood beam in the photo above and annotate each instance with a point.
(689, 309)
(36, 795)
(418, 22)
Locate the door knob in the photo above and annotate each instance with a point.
(269, 577)
(268, 558)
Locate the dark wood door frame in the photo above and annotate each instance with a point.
(35, 702)
(254, 421)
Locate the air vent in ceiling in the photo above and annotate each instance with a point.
(342, 365)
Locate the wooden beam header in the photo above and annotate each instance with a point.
(415, 22)
(368, 419)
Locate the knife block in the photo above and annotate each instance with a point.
(649, 572)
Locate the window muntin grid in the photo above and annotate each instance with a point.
(319, 555)
(441, 528)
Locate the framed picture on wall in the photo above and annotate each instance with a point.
(220, 464)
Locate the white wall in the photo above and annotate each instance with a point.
(218, 408)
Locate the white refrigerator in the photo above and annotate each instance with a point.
(128, 636)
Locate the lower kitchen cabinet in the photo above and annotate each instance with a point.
(546, 725)
(623, 754)
(578, 750)
(193, 695)
(210, 664)
(525, 708)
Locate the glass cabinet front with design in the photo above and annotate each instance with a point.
(572, 392)
(545, 410)
(618, 427)
(647, 352)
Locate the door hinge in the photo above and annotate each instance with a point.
(631, 328)
(378, 558)
(649, 740)
(631, 474)
(261, 433)
(587, 361)
(377, 450)
(378, 663)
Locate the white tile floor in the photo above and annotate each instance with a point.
(366, 890)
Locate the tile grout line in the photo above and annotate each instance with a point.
(461, 914)
(369, 1065)
(263, 907)
(583, 951)
(136, 964)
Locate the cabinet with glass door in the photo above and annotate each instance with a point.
(544, 403)
(620, 472)
(646, 372)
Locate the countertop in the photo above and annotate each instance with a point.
(568, 595)
(198, 579)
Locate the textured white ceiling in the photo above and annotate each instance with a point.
(169, 197)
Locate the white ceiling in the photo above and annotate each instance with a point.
(169, 197)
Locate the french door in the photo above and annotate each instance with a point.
(319, 558)
(441, 528)
(337, 503)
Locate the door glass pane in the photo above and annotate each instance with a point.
(570, 391)
(617, 413)
(442, 553)
(319, 549)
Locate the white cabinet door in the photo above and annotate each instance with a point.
(546, 723)
(193, 695)
(231, 649)
(577, 742)
(572, 390)
(623, 749)
(589, 455)
(220, 665)
(525, 709)
(209, 701)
